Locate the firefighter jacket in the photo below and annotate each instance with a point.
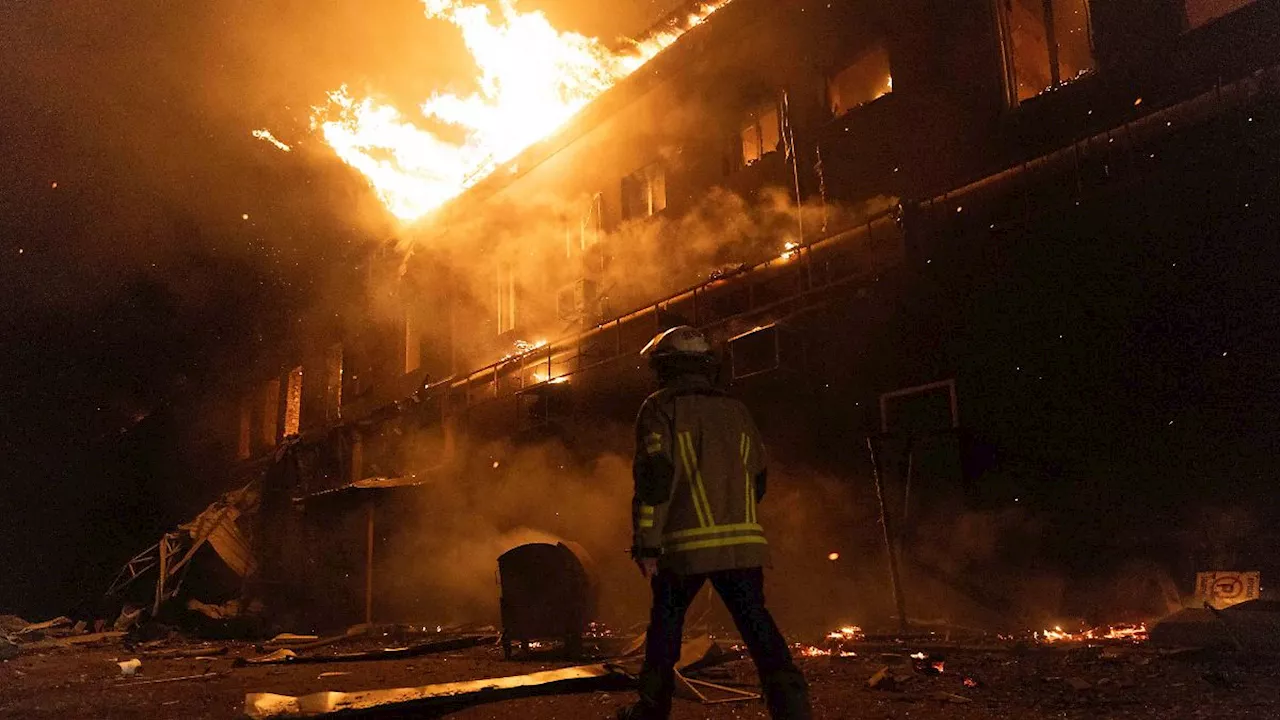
(699, 473)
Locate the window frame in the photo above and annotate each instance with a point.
(648, 177)
(1008, 55)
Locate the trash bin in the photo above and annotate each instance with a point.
(548, 592)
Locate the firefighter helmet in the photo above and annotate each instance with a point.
(681, 341)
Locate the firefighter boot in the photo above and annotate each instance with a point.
(656, 689)
(787, 697)
(640, 711)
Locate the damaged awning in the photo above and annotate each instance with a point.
(218, 525)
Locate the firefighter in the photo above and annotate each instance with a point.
(699, 474)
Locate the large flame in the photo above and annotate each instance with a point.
(533, 78)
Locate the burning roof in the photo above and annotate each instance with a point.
(533, 80)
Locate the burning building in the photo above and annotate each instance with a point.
(974, 232)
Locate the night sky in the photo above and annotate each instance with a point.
(131, 276)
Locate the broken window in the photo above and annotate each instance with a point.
(1047, 43)
(1202, 12)
(333, 383)
(644, 192)
(270, 429)
(760, 134)
(505, 297)
(293, 402)
(868, 77)
(244, 441)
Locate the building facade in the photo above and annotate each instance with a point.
(1024, 247)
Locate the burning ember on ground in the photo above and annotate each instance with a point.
(789, 251)
(835, 644)
(1135, 633)
(815, 651)
(533, 78)
(848, 633)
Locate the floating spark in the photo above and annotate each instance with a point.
(266, 135)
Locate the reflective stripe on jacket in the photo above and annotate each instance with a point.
(698, 454)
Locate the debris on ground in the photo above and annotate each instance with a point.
(10, 624)
(129, 668)
(573, 679)
(198, 652)
(38, 631)
(182, 678)
(129, 617)
(291, 638)
(1029, 682)
(8, 650)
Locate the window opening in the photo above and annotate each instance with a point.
(761, 133)
(1048, 43)
(865, 79)
(644, 192)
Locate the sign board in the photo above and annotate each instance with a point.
(1224, 589)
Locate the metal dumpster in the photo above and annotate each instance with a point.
(548, 592)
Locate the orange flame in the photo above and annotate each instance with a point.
(533, 78)
(847, 633)
(1136, 633)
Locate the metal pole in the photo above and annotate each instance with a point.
(164, 574)
(909, 461)
(795, 163)
(894, 578)
(368, 569)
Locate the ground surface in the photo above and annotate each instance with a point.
(1032, 683)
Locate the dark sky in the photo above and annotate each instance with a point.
(129, 274)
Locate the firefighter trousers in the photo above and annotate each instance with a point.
(742, 591)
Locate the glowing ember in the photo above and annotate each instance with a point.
(1135, 633)
(848, 633)
(833, 556)
(533, 78)
(788, 251)
(1127, 632)
(267, 136)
